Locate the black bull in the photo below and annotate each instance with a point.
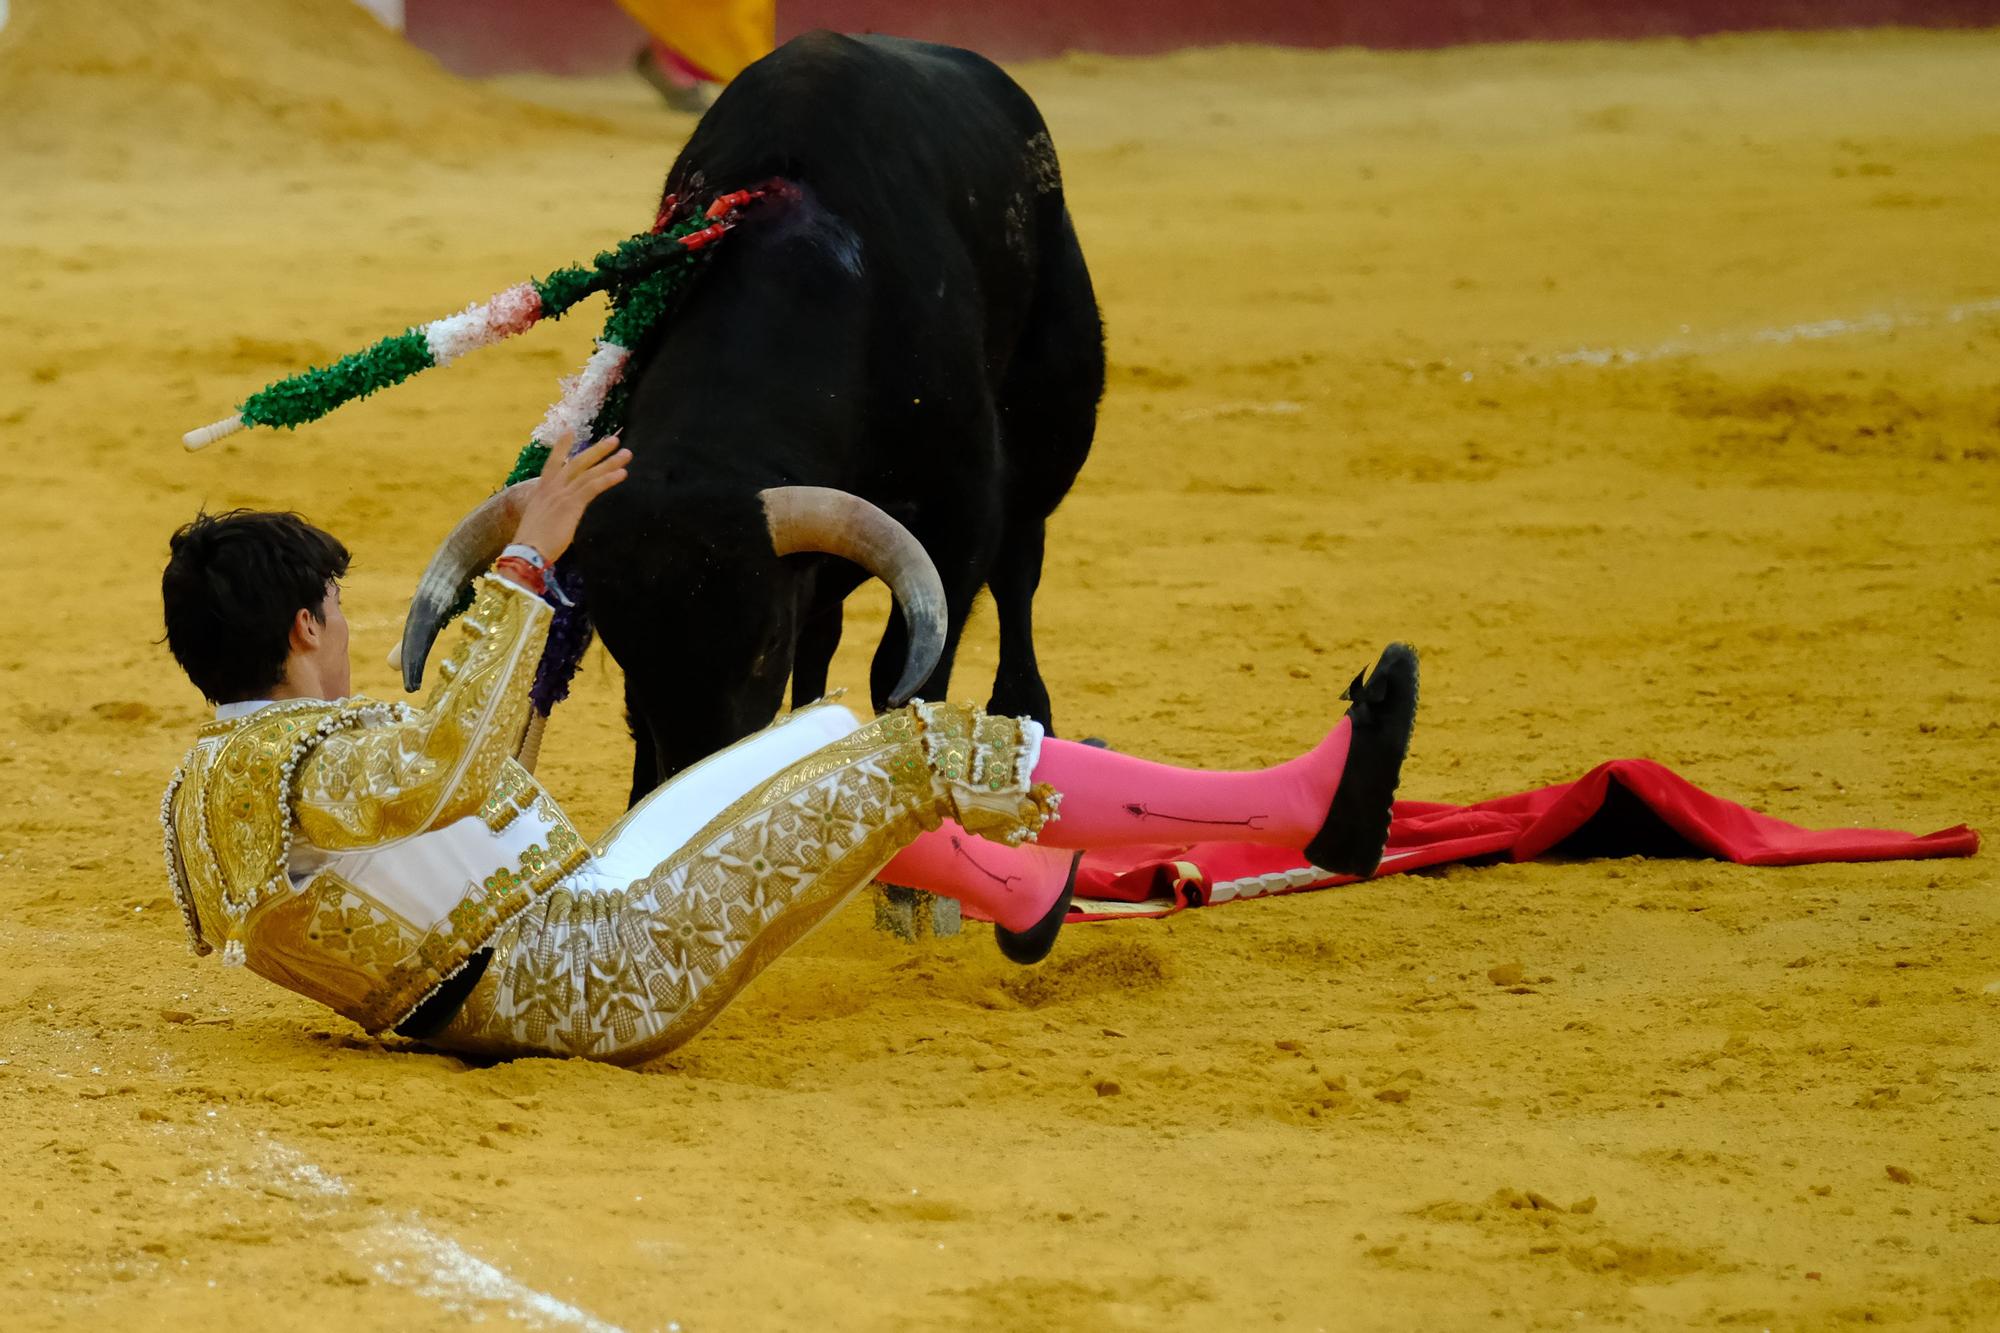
(910, 321)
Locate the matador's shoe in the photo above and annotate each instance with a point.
(1383, 711)
(1033, 944)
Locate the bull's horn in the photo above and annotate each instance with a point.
(474, 544)
(817, 518)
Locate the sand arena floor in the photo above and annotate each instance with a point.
(1649, 389)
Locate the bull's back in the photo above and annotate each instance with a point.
(898, 137)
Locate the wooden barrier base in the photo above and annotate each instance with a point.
(480, 37)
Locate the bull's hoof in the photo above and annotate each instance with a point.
(1033, 944)
(1384, 711)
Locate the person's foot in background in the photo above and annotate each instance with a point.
(683, 86)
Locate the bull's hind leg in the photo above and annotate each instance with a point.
(1048, 416)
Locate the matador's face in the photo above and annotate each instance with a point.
(337, 673)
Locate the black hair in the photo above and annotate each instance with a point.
(232, 588)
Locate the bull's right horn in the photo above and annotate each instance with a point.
(474, 544)
(819, 518)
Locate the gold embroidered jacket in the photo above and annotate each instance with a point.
(358, 852)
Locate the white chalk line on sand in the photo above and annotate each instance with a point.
(440, 1268)
(1812, 331)
(409, 1252)
(1280, 408)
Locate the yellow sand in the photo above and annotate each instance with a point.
(1339, 288)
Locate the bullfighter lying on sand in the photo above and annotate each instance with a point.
(398, 865)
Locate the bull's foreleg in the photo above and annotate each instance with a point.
(819, 637)
(820, 624)
(1018, 690)
(645, 758)
(960, 539)
(668, 736)
(887, 667)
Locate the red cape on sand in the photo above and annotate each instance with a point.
(1628, 807)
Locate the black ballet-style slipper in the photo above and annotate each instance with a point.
(1033, 944)
(1383, 710)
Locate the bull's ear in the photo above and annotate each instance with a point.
(818, 518)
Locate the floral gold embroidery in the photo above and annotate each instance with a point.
(620, 975)
(629, 974)
(352, 775)
(423, 769)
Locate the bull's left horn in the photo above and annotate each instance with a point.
(818, 518)
(474, 544)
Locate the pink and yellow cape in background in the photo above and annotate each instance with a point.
(717, 37)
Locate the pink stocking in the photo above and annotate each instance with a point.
(1011, 886)
(1332, 802)
(1111, 799)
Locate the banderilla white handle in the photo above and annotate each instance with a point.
(207, 435)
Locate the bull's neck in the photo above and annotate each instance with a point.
(768, 348)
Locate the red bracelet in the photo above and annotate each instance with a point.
(523, 573)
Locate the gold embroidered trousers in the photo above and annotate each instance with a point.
(628, 973)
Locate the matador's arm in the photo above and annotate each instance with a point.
(367, 786)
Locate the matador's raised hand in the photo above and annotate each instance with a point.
(568, 484)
